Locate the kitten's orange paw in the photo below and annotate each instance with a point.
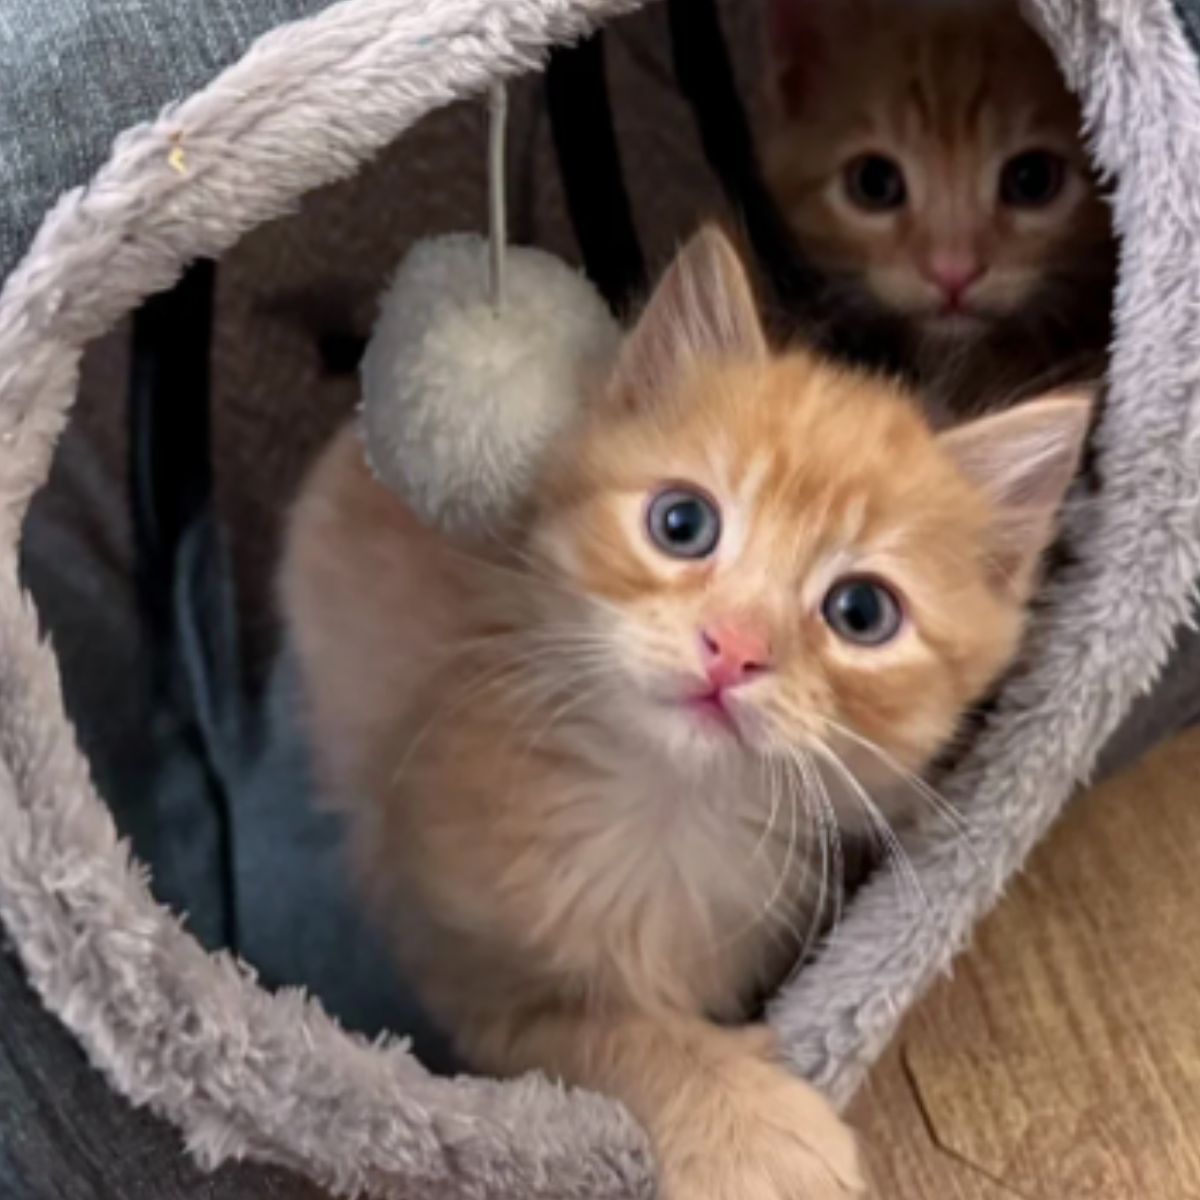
(768, 1137)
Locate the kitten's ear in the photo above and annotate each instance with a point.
(703, 310)
(1024, 460)
(799, 36)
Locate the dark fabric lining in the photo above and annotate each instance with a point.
(65, 1136)
(590, 162)
(1189, 18)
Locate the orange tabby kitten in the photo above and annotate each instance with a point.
(586, 771)
(927, 155)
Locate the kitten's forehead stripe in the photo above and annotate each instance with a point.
(975, 112)
(921, 106)
(750, 479)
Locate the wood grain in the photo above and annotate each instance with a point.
(1062, 1061)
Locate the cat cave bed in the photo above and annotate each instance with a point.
(241, 1073)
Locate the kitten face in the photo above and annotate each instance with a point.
(929, 154)
(770, 552)
(815, 486)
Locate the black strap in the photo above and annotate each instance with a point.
(171, 485)
(590, 164)
(705, 75)
(170, 440)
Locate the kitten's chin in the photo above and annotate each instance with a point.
(943, 328)
(691, 733)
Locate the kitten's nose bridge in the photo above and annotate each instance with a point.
(734, 650)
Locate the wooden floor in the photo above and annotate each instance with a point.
(1062, 1061)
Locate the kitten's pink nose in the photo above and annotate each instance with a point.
(734, 653)
(954, 272)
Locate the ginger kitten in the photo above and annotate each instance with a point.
(587, 772)
(927, 156)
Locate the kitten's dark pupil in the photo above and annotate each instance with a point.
(1032, 179)
(860, 608)
(862, 611)
(876, 182)
(684, 522)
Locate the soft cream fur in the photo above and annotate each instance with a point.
(534, 805)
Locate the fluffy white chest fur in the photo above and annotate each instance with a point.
(708, 874)
(668, 887)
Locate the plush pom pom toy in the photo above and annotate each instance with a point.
(461, 393)
(482, 352)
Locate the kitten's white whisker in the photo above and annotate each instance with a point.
(767, 766)
(830, 841)
(765, 913)
(941, 806)
(534, 572)
(778, 898)
(556, 718)
(765, 918)
(565, 638)
(461, 696)
(898, 858)
(494, 674)
(543, 689)
(833, 828)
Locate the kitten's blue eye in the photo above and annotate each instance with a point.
(875, 183)
(683, 523)
(1032, 179)
(862, 611)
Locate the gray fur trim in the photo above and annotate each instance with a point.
(243, 1073)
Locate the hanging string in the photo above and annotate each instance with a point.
(497, 219)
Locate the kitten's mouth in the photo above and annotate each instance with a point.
(711, 709)
(956, 317)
